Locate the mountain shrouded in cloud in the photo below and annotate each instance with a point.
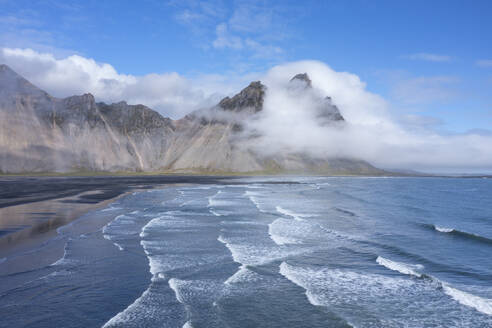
(42, 133)
(302, 116)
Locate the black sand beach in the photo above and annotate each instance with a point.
(32, 208)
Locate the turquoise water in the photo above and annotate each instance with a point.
(272, 252)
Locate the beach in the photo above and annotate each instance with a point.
(32, 208)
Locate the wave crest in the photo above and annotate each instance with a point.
(404, 268)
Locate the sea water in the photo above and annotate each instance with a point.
(272, 252)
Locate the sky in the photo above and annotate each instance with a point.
(430, 61)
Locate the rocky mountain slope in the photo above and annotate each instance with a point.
(41, 133)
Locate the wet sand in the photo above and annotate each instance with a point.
(32, 208)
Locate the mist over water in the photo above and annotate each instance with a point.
(307, 252)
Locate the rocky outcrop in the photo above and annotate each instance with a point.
(41, 133)
(303, 78)
(250, 98)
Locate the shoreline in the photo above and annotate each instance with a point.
(42, 249)
(220, 174)
(33, 208)
(41, 231)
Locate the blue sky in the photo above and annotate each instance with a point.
(432, 60)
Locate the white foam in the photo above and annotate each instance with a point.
(326, 285)
(202, 187)
(108, 237)
(212, 201)
(125, 315)
(400, 267)
(215, 213)
(150, 224)
(481, 304)
(257, 252)
(64, 260)
(121, 226)
(247, 254)
(175, 285)
(111, 208)
(384, 301)
(185, 203)
(253, 197)
(187, 325)
(296, 216)
(191, 291)
(442, 229)
(241, 223)
(279, 232)
(288, 272)
(185, 213)
(235, 256)
(145, 311)
(243, 274)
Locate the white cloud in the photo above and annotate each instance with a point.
(263, 51)
(225, 39)
(429, 57)
(425, 89)
(420, 122)
(188, 17)
(370, 133)
(250, 29)
(250, 17)
(170, 93)
(484, 63)
(14, 20)
(286, 122)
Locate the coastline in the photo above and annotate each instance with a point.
(32, 209)
(39, 221)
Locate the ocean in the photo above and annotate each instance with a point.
(270, 252)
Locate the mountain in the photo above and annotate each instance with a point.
(41, 133)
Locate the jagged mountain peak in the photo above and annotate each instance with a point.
(13, 83)
(85, 97)
(250, 97)
(304, 77)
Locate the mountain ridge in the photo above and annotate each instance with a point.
(41, 133)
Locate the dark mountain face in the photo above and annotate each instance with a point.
(250, 97)
(39, 132)
(303, 78)
(133, 118)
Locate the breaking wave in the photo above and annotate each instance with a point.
(296, 216)
(480, 304)
(404, 268)
(460, 234)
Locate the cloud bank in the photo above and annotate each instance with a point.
(170, 93)
(287, 122)
(370, 133)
